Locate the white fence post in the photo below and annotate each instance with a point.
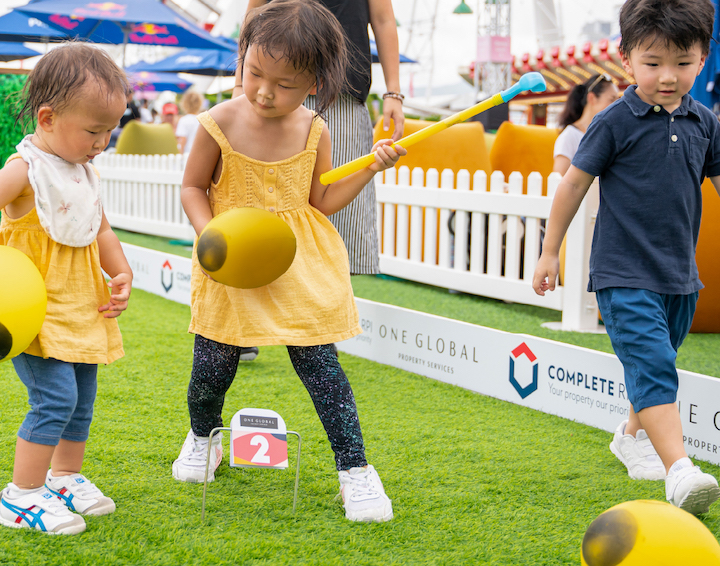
(447, 181)
(580, 311)
(389, 216)
(461, 226)
(494, 242)
(431, 222)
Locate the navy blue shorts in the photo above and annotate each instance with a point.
(646, 329)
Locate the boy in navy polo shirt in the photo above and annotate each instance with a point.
(651, 149)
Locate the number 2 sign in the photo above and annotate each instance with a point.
(258, 438)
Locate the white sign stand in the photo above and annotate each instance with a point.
(258, 439)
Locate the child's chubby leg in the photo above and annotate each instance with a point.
(27, 502)
(361, 490)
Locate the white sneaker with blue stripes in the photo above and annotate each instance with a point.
(79, 494)
(37, 509)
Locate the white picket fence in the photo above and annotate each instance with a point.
(493, 252)
(141, 193)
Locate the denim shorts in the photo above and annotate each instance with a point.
(61, 397)
(646, 329)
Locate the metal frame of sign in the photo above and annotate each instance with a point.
(213, 432)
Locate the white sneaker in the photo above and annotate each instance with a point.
(692, 490)
(363, 495)
(638, 454)
(79, 494)
(190, 464)
(248, 354)
(39, 510)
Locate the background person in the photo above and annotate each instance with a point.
(187, 125)
(584, 101)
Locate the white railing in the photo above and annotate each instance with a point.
(502, 230)
(141, 193)
(421, 222)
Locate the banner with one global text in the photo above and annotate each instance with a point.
(572, 382)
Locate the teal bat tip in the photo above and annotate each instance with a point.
(534, 82)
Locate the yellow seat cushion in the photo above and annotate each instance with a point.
(137, 138)
(461, 146)
(524, 149)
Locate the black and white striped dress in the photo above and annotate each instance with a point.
(351, 133)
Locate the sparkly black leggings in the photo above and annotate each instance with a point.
(214, 368)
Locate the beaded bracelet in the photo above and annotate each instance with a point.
(395, 95)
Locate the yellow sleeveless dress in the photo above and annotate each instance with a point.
(312, 303)
(73, 331)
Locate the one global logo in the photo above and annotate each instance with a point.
(166, 273)
(524, 350)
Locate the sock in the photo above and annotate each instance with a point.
(681, 464)
(14, 491)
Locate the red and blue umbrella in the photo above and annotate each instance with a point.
(144, 22)
(158, 82)
(15, 26)
(208, 62)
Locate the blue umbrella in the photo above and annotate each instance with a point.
(208, 62)
(145, 22)
(376, 59)
(158, 82)
(15, 26)
(15, 51)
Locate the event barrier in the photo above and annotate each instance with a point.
(433, 228)
(575, 383)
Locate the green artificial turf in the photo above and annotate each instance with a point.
(474, 480)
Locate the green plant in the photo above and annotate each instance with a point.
(10, 132)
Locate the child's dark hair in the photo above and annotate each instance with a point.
(682, 23)
(307, 35)
(61, 74)
(577, 99)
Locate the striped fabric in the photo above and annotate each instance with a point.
(352, 136)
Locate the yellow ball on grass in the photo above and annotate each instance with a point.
(648, 533)
(23, 301)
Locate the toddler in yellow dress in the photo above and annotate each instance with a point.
(51, 211)
(265, 150)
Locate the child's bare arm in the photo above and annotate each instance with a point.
(568, 197)
(115, 264)
(328, 199)
(15, 187)
(199, 169)
(716, 183)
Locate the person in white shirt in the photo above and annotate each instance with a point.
(583, 102)
(146, 116)
(187, 125)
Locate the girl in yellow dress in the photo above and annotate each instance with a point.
(265, 150)
(51, 211)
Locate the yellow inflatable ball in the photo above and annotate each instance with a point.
(246, 247)
(23, 300)
(648, 533)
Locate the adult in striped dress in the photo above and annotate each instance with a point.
(349, 120)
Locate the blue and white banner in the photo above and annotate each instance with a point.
(556, 378)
